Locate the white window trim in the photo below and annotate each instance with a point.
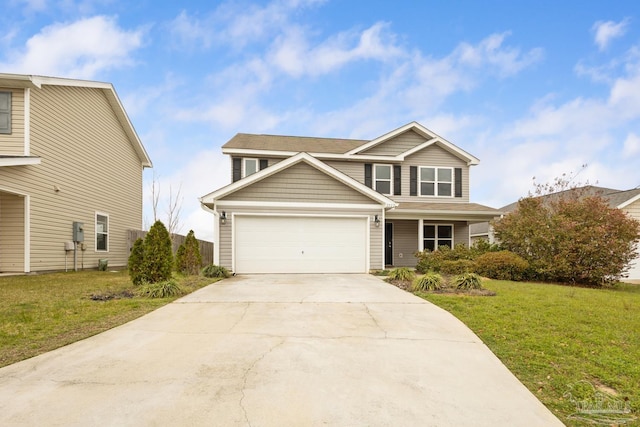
(244, 165)
(436, 182)
(95, 234)
(375, 179)
(422, 238)
(11, 113)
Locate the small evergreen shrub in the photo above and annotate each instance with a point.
(503, 265)
(457, 267)
(179, 261)
(467, 281)
(158, 255)
(163, 289)
(213, 270)
(192, 261)
(404, 274)
(428, 282)
(136, 263)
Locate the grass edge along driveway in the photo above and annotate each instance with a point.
(553, 337)
(42, 312)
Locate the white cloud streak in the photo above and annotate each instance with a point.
(606, 31)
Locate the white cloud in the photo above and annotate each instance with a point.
(80, 49)
(607, 31)
(631, 145)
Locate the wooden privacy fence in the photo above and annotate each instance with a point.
(206, 248)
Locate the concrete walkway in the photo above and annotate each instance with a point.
(295, 350)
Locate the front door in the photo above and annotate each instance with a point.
(388, 243)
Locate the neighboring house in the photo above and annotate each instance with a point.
(314, 205)
(626, 200)
(68, 153)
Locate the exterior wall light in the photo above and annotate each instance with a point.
(223, 218)
(376, 220)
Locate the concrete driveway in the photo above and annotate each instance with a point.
(294, 350)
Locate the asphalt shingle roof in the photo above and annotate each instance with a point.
(293, 143)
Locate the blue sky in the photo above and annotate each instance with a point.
(532, 88)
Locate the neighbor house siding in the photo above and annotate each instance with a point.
(405, 242)
(13, 144)
(11, 233)
(87, 156)
(398, 145)
(375, 233)
(299, 183)
(633, 209)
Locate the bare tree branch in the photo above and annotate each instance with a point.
(174, 207)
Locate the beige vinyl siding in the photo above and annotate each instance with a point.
(299, 183)
(398, 145)
(13, 144)
(405, 242)
(354, 170)
(11, 233)
(375, 233)
(460, 233)
(88, 157)
(633, 209)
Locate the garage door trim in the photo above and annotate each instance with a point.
(301, 215)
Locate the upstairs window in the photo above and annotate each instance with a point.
(436, 182)
(102, 232)
(250, 167)
(437, 235)
(382, 178)
(5, 112)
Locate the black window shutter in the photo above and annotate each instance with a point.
(368, 175)
(413, 180)
(458, 182)
(263, 163)
(237, 169)
(397, 180)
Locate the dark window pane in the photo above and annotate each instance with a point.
(430, 244)
(383, 187)
(429, 231)
(101, 242)
(383, 172)
(426, 189)
(445, 232)
(444, 189)
(444, 175)
(427, 174)
(444, 242)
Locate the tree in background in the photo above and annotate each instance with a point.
(158, 256)
(570, 236)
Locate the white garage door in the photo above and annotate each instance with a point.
(283, 244)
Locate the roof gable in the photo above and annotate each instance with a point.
(316, 164)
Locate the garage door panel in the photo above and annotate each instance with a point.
(300, 244)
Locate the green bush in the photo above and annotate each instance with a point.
(192, 261)
(179, 260)
(163, 289)
(428, 282)
(158, 256)
(213, 270)
(433, 260)
(503, 265)
(136, 263)
(467, 281)
(457, 267)
(404, 274)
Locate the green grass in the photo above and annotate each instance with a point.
(39, 313)
(552, 336)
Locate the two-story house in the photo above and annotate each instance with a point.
(315, 205)
(68, 154)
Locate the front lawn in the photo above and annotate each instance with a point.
(551, 337)
(39, 313)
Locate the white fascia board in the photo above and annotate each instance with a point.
(322, 156)
(19, 161)
(57, 81)
(297, 205)
(345, 179)
(628, 202)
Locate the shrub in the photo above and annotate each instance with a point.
(158, 256)
(213, 270)
(179, 261)
(163, 289)
(136, 263)
(192, 261)
(428, 282)
(457, 267)
(433, 260)
(467, 281)
(404, 274)
(503, 265)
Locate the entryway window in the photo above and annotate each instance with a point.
(437, 235)
(382, 178)
(250, 167)
(102, 232)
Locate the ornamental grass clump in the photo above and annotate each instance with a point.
(213, 271)
(467, 281)
(428, 282)
(403, 274)
(163, 289)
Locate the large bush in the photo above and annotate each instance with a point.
(569, 238)
(503, 265)
(457, 267)
(158, 256)
(452, 261)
